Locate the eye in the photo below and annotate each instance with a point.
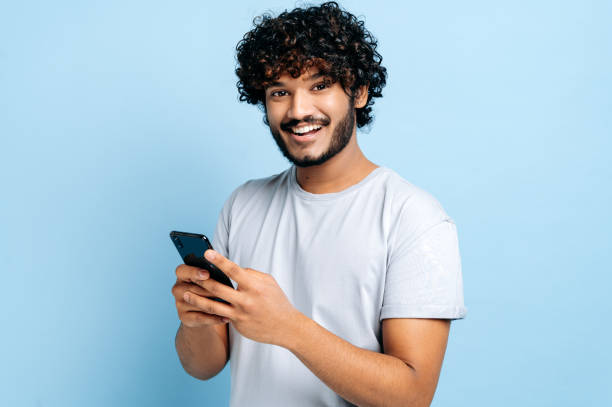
(278, 93)
(320, 86)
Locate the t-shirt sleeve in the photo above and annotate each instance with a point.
(424, 278)
(220, 240)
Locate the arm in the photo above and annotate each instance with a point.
(204, 350)
(202, 339)
(405, 375)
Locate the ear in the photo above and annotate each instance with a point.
(361, 96)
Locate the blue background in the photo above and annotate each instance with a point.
(119, 122)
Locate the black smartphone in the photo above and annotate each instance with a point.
(191, 247)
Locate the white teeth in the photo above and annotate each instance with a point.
(305, 129)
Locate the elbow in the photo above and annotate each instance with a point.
(200, 371)
(419, 393)
(412, 400)
(201, 374)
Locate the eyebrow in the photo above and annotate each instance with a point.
(310, 78)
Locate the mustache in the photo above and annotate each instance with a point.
(323, 121)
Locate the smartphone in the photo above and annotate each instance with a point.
(191, 247)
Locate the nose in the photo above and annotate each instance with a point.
(301, 105)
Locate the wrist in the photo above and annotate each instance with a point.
(294, 331)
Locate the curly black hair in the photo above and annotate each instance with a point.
(325, 37)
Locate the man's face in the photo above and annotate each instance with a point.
(310, 118)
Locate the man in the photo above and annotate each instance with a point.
(346, 276)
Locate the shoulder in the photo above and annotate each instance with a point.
(408, 201)
(257, 188)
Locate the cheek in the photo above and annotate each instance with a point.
(274, 124)
(272, 117)
(335, 108)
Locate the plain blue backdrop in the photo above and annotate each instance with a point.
(119, 122)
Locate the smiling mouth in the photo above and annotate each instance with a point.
(305, 130)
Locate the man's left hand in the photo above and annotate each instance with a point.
(259, 309)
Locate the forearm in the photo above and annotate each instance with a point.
(360, 376)
(201, 351)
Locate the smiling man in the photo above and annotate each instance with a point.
(346, 276)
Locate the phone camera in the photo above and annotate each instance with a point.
(178, 243)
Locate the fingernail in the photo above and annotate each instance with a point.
(209, 254)
(186, 297)
(203, 275)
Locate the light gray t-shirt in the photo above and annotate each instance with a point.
(382, 248)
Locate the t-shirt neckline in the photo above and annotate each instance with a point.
(295, 186)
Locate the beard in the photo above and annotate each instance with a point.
(340, 138)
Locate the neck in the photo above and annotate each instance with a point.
(345, 169)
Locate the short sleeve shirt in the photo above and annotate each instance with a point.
(382, 248)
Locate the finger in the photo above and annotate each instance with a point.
(221, 291)
(178, 290)
(198, 318)
(183, 307)
(191, 274)
(228, 267)
(209, 306)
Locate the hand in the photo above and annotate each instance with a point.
(258, 309)
(188, 281)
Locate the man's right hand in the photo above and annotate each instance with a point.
(187, 280)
